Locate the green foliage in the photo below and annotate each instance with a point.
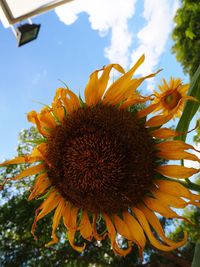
(186, 35)
(191, 107)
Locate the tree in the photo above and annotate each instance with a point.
(186, 35)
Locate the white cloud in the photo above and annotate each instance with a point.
(111, 16)
(153, 37)
(105, 16)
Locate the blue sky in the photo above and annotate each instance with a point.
(74, 41)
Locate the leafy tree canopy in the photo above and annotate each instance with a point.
(186, 35)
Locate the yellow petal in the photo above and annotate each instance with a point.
(71, 235)
(145, 225)
(122, 227)
(118, 86)
(175, 171)
(103, 80)
(168, 199)
(136, 231)
(47, 119)
(85, 226)
(135, 99)
(34, 117)
(56, 221)
(41, 185)
(177, 155)
(155, 223)
(30, 171)
(49, 204)
(73, 218)
(92, 89)
(176, 189)
(96, 235)
(66, 214)
(190, 98)
(164, 133)
(157, 206)
(128, 90)
(144, 112)
(112, 236)
(159, 120)
(17, 160)
(69, 99)
(173, 146)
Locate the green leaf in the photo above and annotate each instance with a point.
(191, 107)
(196, 258)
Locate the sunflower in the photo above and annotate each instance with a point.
(169, 101)
(100, 162)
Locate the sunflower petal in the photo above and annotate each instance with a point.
(56, 220)
(173, 146)
(136, 231)
(103, 80)
(30, 171)
(92, 89)
(169, 200)
(47, 119)
(33, 117)
(177, 155)
(145, 225)
(41, 185)
(155, 223)
(85, 226)
(118, 87)
(112, 236)
(96, 235)
(71, 236)
(49, 204)
(159, 120)
(122, 227)
(69, 99)
(144, 112)
(135, 99)
(164, 133)
(66, 214)
(175, 171)
(16, 160)
(176, 189)
(157, 206)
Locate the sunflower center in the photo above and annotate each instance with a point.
(171, 100)
(101, 158)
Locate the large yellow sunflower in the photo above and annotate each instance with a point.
(101, 161)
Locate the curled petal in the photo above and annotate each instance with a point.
(112, 236)
(49, 204)
(155, 223)
(136, 230)
(71, 235)
(56, 220)
(145, 225)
